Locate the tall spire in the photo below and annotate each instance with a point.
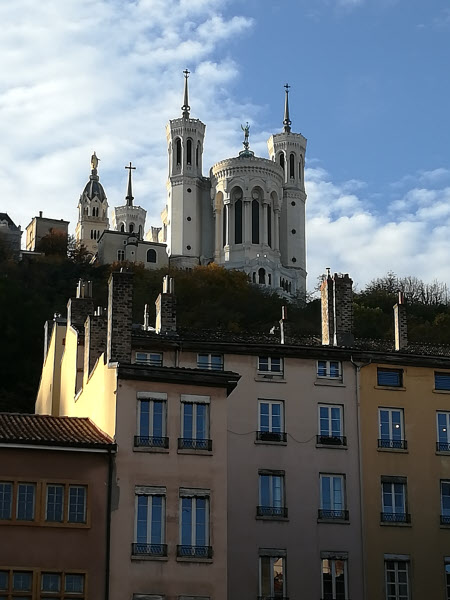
(129, 197)
(287, 122)
(186, 108)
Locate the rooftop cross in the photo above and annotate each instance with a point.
(287, 122)
(129, 197)
(186, 108)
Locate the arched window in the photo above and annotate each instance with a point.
(197, 152)
(269, 279)
(238, 222)
(262, 276)
(122, 227)
(269, 225)
(151, 255)
(292, 166)
(131, 227)
(189, 152)
(255, 222)
(178, 150)
(282, 160)
(254, 277)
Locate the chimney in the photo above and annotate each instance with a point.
(40, 214)
(337, 310)
(120, 316)
(80, 307)
(400, 323)
(94, 341)
(166, 314)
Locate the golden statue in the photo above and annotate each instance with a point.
(94, 161)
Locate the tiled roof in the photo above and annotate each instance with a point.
(7, 218)
(51, 431)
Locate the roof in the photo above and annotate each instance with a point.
(94, 188)
(45, 430)
(7, 218)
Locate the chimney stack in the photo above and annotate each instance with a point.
(166, 314)
(94, 341)
(337, 310)
(80, 307)
(400, 323)
(120, 317)
(285, 327)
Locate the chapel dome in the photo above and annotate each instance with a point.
(94, 188)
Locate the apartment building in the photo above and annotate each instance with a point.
(54, 518)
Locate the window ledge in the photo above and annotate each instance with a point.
(393, 524)
(332, 446)
(271, 518)
(196, 559)
(337, 521)
(138, 557)
(394, 450)
(442, 453)
(440, 391)
(269, 443)
(392, 388)
(270, 379)
(151, 449)
(329, 382)
(196, 452)
(442, 526)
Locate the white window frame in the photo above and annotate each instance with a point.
(447, 417)
(330, 428)
(152, 399)
(209, 363)
(328, 375)
(271, 403)
(194, 420)
(150, 493)
(148, 358)
(390, 412)
(396, 582)
(272, 560)
(271, 499)
(392, 494)
(332, 561)
(194, 495)
(333, 476)
(270, 370)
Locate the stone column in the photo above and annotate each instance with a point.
(247, 221)
(265, 241)
(276, 229)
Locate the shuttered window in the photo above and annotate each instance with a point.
(442, 381)
(390, 377)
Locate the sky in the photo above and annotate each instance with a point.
(369, 90)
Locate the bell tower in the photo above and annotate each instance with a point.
(182, 218)
(288, 150)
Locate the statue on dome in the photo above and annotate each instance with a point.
(94, 161)
(246, 131)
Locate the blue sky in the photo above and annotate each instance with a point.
(370, 89)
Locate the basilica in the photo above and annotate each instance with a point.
(248, 214)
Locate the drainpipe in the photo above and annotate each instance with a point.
(358, 367)
(108, 523)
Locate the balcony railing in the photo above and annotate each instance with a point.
(271, 436)
(151, 441)
(332, 440)
(211, 366)
(273, 597)
(445, 519)
(195, 551)
(333, 514)
(149, 549)
(194, 444)
(393, 444)
(443, 446)
(150, 362)
(272, 511)
(387, 517)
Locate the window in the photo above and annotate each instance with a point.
(77, 504)
(51, 586)
(120, 255)
(189, 152)
(149, 522)
(194, 524)
(390, 377)
(255, 222)
(54, 504)
(194, 423)
(292, 166)
(445, 502)
(152, 413)
(329, 369)
(397, 579)
(443, 429)
(272, 365)
(269, 227)
(394, 500)
(210, 361)
(16, 584)
(334, 579)
(26, 499)
(391, 429)
(6, 488)
(442, 381)
(153, 359)
(272, 579)
(238, 222)
(151, 255)
(331, 425)
(447, 577)
(271, 494)
(270, 421)
(332, 497)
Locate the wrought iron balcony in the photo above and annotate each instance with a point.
(393, 444)
(387, 517)
(149, 549)
(195, 551)
(272, 511)
(194, 444)
(333, 514)
(271, 436)
(151, 441)
(445, 519)
(332, 440)
(443, 446)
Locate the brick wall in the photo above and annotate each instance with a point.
(120, 319)
(95, 331)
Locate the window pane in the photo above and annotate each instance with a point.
(336, 421)
(25, 501)
(389, 377)
(55, 503)
(263, 416)
(201, 422)
(186, 521)
(200, 522)
(77, 504)
(384, 425)
(277, 492)
(278, 578)
(322, 368)
(396, 425)
(188, 409)
(263, 363)
(275, 365)
(3, 580)
(5, 500)
(50, 582)
(158, 419)
(144, 421)
(265, 576)
(157, 519)
(337, 493)
(22, 581)
(327, 580)
(334, 368)
(74, 583)
(141, 519)
(264, 483)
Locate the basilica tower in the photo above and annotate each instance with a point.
(184, 227)
(92, 211)
(130, 218)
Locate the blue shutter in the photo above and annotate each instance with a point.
(442, 381)
(389, 377)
